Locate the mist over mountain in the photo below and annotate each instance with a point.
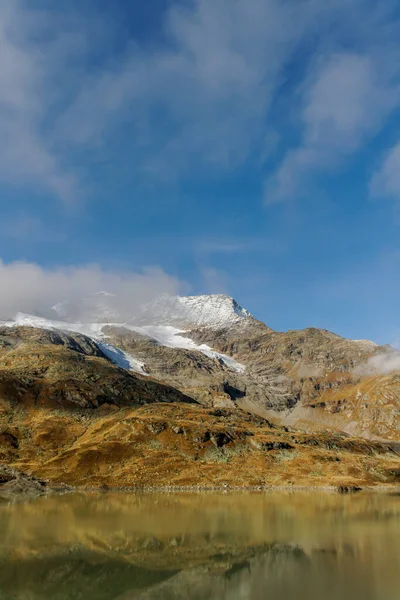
(29, 288)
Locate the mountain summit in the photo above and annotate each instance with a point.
(212, 310)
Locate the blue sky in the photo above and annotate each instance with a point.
(250, 147)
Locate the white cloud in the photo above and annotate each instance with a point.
(381, 364)
(27, 287)
(342, 99)
(347, 98)
(386, 182)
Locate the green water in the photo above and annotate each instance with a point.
(209, 546)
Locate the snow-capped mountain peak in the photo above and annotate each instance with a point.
(212, 310)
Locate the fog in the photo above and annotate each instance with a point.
(381, 364)
(29, 288)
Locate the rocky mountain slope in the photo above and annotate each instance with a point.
(318, 379)
(53, 369)
(244, 405)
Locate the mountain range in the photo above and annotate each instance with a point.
(192, 391)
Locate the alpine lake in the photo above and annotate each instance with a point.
(202, 546)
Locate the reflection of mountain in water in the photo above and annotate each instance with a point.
(74, 575)
(201, 547)
(279, 571)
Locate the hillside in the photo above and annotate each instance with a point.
(223, 402)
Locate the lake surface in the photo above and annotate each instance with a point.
(283, 546)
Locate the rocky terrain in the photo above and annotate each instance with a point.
(14, 482)
(310, 379)
(313, 379)
(47, 368)
(224, 403)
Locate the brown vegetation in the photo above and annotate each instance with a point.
(68, 415)
(187, 445)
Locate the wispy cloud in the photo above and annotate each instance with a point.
(347, 98)
(221, 247)
(386, 182)
(203, 96)
(271, 245)
(27, 68)
(28, 229)
(198, 97)
(214, 281)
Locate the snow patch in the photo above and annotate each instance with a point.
(171, 337)
(122, 359)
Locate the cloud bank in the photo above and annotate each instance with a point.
(29, 288)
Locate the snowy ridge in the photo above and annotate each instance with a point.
(213, 310)
(165, 335)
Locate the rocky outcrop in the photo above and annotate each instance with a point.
(309, 352)
(15, 337)
(14, 482)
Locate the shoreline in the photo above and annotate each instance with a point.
(342, 489)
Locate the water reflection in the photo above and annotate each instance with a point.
(209, 546)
